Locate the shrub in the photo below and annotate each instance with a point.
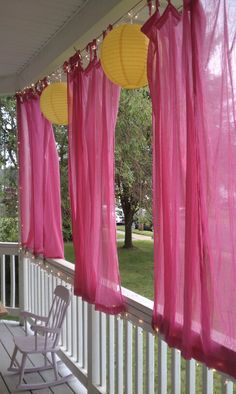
(9, 230)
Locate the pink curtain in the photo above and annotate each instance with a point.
(40, 203)
(192, 77)
(93, 106)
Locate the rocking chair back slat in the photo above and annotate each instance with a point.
(57, 312)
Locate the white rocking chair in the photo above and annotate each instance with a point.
(45, 340)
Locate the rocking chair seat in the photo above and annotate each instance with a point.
(27, 344)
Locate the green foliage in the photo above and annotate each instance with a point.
(8, 229)
(61, 137)
(8, 157)
(133, 143)
(8, 192)
(8, 135)
(133, 154)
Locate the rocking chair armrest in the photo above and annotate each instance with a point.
(26, 315)
(43, 329)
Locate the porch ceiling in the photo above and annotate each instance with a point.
(38, 35)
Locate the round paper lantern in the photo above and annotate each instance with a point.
(124, 56)
(53, 103)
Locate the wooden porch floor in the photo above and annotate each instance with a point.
(8, 380)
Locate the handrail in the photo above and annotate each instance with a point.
(9, 248)
(141, 315)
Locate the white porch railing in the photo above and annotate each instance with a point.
(9, 274)
(110, 354)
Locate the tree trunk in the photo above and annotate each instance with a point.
(129, 208)
(129, 216)
(128, 235)
(141, 226)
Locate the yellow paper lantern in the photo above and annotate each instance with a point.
(124, 56)
(53, 103)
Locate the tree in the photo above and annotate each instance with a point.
(8, 139)
(133, 155)
(61, 137)
(8, 157)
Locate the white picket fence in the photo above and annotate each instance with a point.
(108, 354)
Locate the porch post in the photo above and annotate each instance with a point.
(23, 282)
(22, 260)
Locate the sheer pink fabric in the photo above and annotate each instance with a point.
(192, 77)
(93, 106)
(40, 203)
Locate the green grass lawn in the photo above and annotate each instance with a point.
(136, 266)
(69, 252)
(120, 236)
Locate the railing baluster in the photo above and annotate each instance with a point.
(139, 360)
(162, 366)
(129, 357)
(85, 332)
(42, 292)
(103, 353)
(227, 386)
(34, 287)
(150, 366)
(13, 281)
(26, 261)
(65, 325)
(23, 284)
(93, 346)
(80, 317)
(50, 289)
(26, 272)
(119, 356)
(39, 294)
(31, 287)
(46, 298)
(175, 371)
(207, 380)
(69, 329)
(3, 279)
(74, 326)
(190, 376)
(35, 274)
(111, 354)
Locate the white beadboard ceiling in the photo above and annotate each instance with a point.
(36, 36)
(26, 26)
